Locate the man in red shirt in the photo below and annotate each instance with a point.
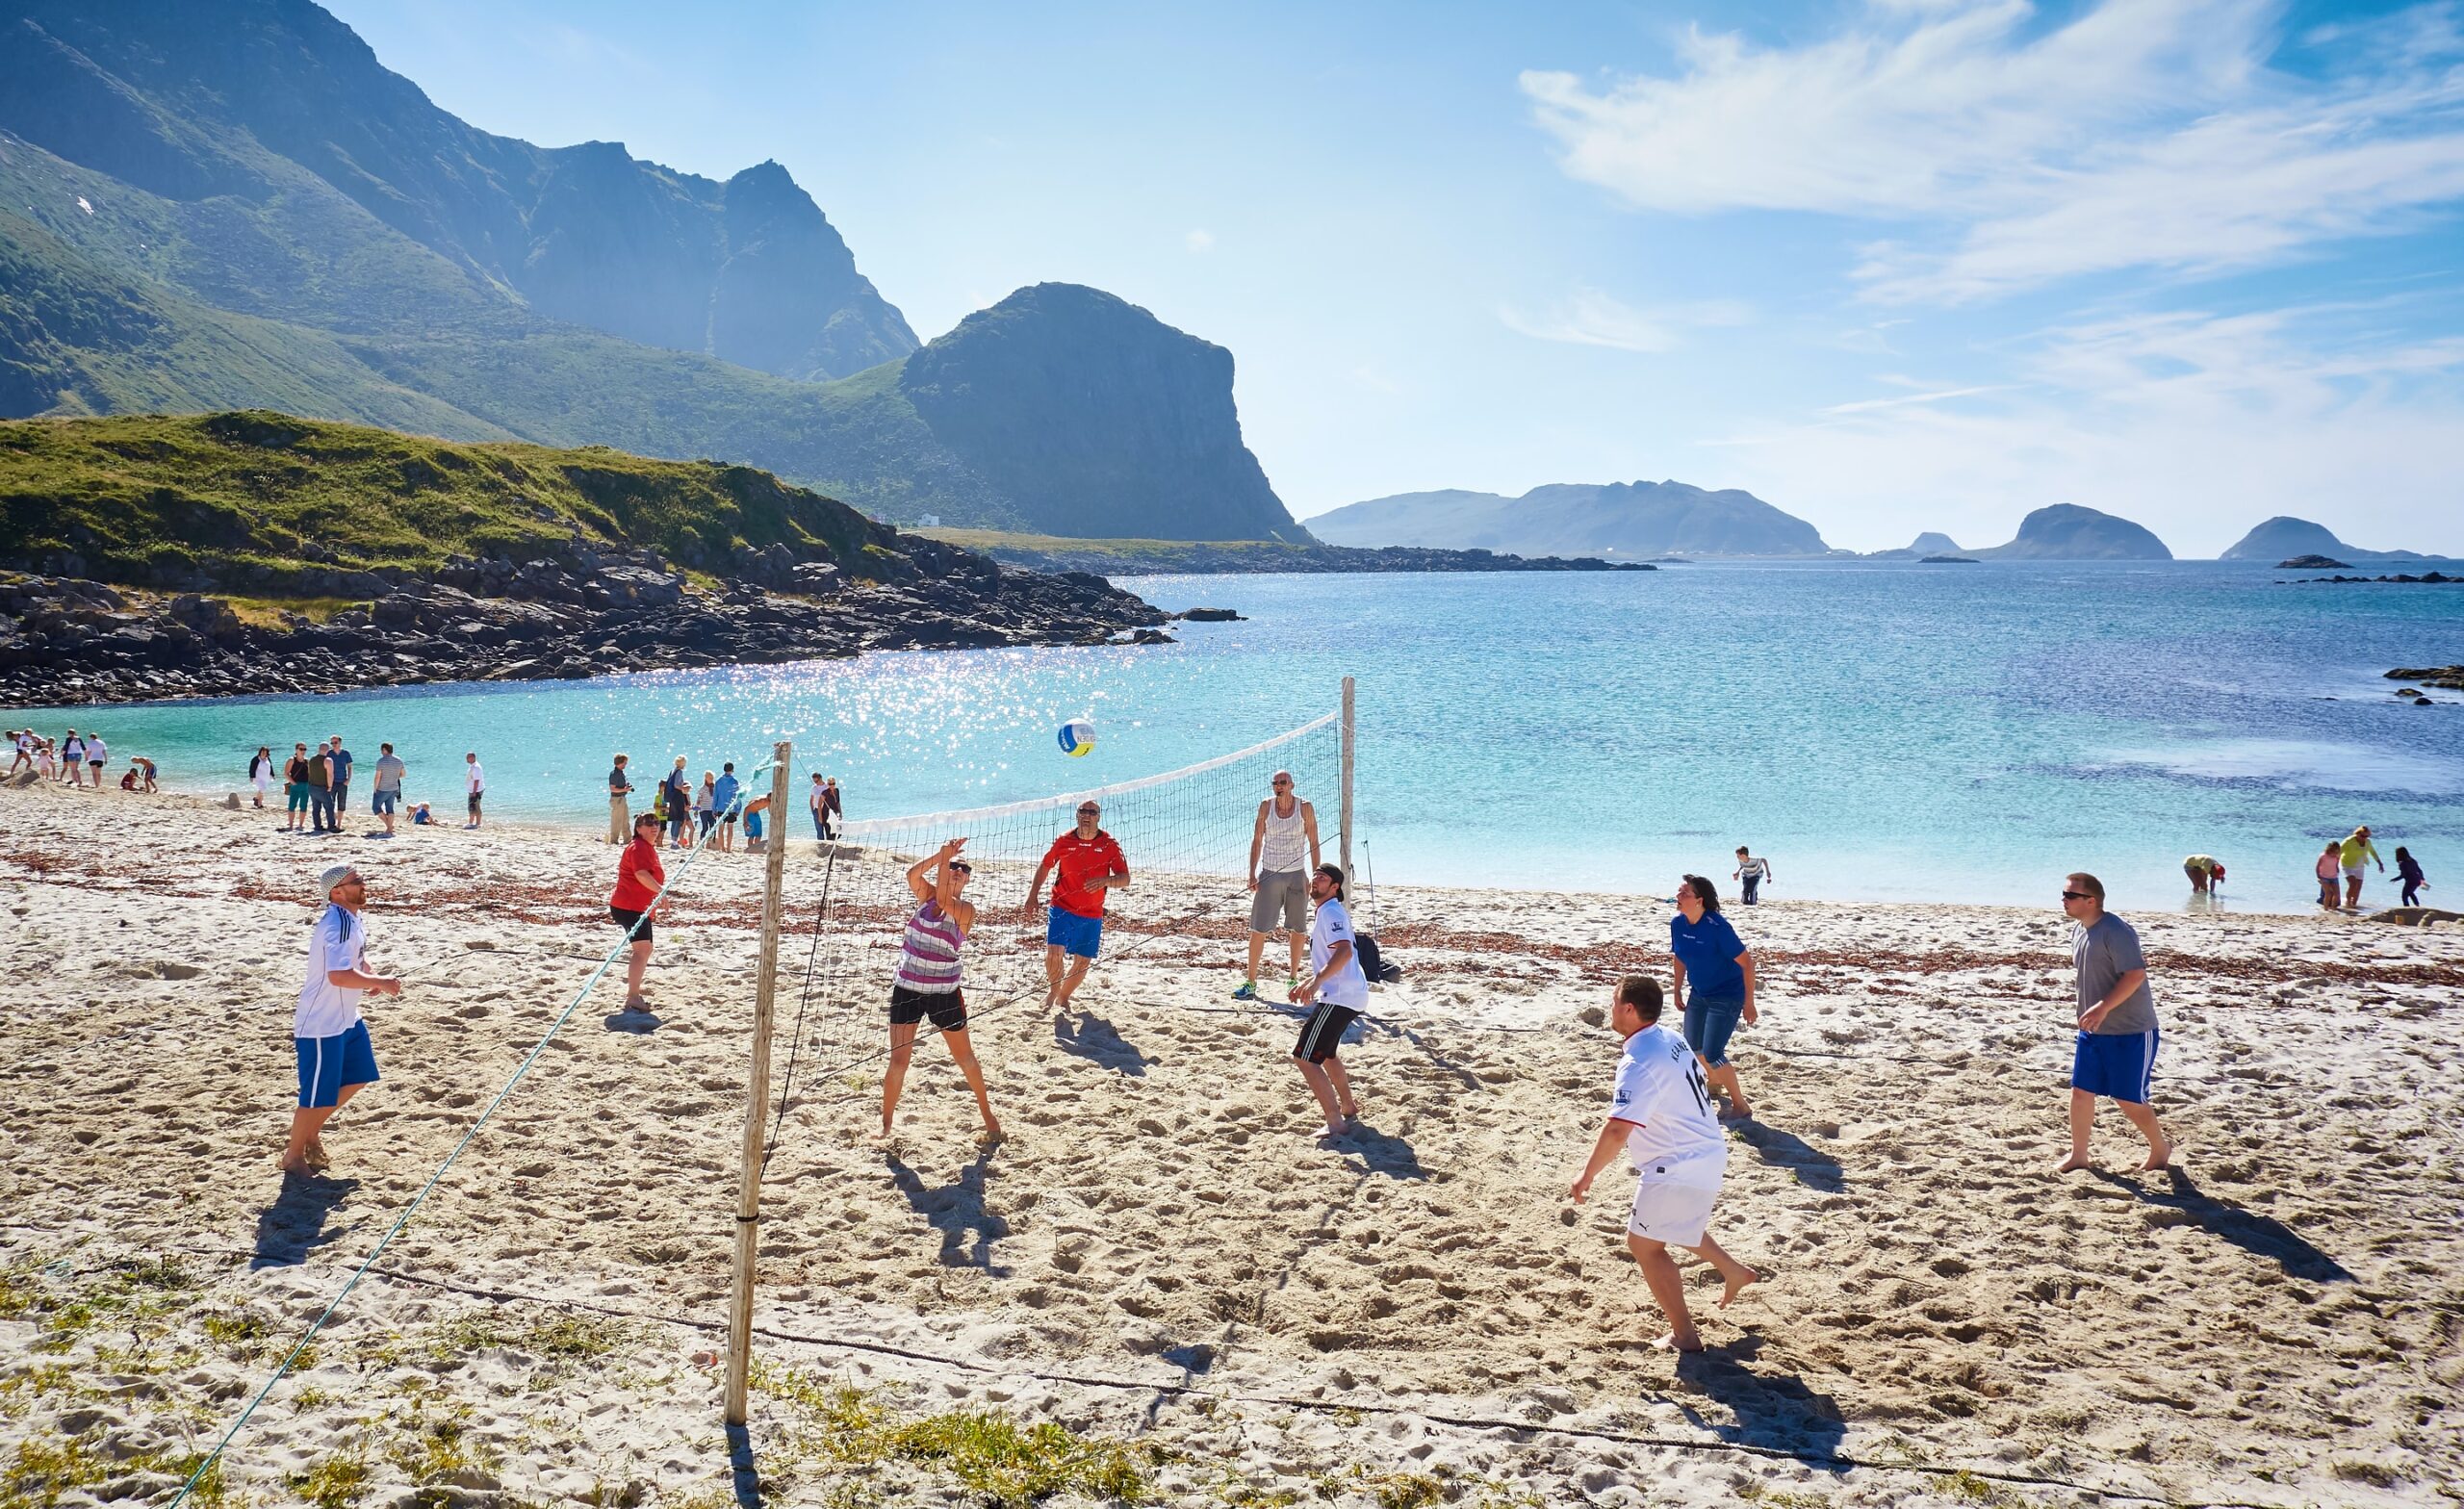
(1090, 864)
(639, 879)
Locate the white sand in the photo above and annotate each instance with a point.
(1158, 1255)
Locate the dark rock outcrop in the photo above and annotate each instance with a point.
(2069, 532)
(2446, 676)
(1633, 521)
(70, 641)
(2312, 563)
(1948, 560)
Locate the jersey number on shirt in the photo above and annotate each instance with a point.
(1694, 1082)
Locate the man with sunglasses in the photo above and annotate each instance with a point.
(1090, 864)
(329, 1036)
(1286, 827)
(2116, 1054)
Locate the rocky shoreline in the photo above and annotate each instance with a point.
(1207, 558)
(2430, 578)
(65, 640)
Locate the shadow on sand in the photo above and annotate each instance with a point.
(957, 1212)
(1773, 1410)
(1099, 1042)
(1383, 1152)
(1813, 1168)
(628, 1020)
(294, 1225)
(2260, 1236)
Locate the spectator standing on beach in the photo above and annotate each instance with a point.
(722, 803)
(819, 802)
(1090, 864)
(1283, 851)
(1660, 1114)
(1750, 875)
(619, 816)
(2115, 1055)
(342, 760)
(1710, 957)
(675, 796)
(2352, 852)
(98, 755)
(1336, 993)
(705, 806)
(2329, 869)
(634, 903)
(72, 757)
(321, 791)
(831, 812)
(754, 811)
(385, 798)
(2409, 870)
(927, 982)
(475, 785)
(261, 773)
(294, 788)
(328, 1034)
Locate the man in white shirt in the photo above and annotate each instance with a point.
(327, 1032)
(475, 784)
(1663, 1116)
(1336, 993)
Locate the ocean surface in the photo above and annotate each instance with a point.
(1879, 731)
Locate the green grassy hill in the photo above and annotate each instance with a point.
(263, 502)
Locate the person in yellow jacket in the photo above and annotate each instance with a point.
(2352, 852)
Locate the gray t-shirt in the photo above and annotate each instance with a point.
(388, 773)
(2103, 955)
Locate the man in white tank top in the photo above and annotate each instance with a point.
(1283, 853)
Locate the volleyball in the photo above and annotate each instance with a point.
(1078, 737)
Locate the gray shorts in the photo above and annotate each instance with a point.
(1287, 890)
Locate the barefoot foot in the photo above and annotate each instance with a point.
(2160, 1155)
(1690, 1341)
(2071, 1164)
(1738, 1284)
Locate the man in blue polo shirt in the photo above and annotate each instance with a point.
(2115, 1053)
(723, 802)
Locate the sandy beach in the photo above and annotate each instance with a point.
(1158, 1280)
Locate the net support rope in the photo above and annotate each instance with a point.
(282, 1368)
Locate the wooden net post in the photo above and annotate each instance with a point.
(748, 1200)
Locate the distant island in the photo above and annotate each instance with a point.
(1237, 557)
(2312, 563)
(1631, 520)
(1929, 543)
(1948, 560)
(2283, 538)
(2069, 532)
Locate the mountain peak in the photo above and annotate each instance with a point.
(2072, 532)
(1625, 520)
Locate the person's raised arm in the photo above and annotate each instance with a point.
(1257, 843)
(1603, 1151)
(919, 888)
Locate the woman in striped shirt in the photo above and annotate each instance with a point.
(928, 980)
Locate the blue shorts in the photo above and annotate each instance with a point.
(382, 802)
(2117, 1066)
(328, 1064)
(752, 825)
(1709, 1026)
(1074, 934)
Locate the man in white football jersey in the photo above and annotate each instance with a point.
(1663, 1114)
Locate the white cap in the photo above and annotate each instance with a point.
(332, 878)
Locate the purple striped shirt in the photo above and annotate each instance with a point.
(929, 957)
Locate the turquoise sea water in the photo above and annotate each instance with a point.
(1879, 731)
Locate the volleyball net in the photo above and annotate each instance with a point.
(1185, 834)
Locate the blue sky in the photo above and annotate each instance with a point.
(1893, 265)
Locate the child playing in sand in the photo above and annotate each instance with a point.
(2409, 870)
(1661, 1114)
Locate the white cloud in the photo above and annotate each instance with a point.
(2197, 426)
(1199, 242)
(2142, 134)
(1591, 318)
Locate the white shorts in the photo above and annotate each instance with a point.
(1677, 1213)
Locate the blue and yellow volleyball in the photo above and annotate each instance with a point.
(1078, 737)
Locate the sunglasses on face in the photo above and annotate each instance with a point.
(2074, 895)
(1091, 811)
(962, 869)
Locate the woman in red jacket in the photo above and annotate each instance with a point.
(639, 880)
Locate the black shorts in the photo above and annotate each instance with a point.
(946, 1007)
(1323, 1033)
(471, 802)
(625, 920)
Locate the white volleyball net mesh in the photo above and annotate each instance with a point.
(1186, 834)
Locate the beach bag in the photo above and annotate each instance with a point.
(1374, 963)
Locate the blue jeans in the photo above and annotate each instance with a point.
(320, 807)
(1708, 1025)
(819, 831)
